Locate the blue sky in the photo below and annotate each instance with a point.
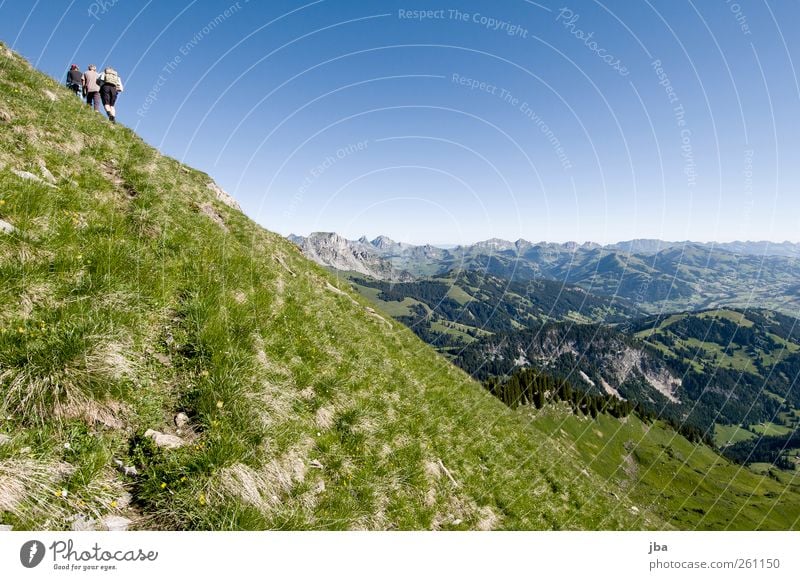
(570, 120)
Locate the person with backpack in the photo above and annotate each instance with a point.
(110, 85)
(74, 79)
(91, 88)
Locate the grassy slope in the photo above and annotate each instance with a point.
(125, 301)
(688, 484)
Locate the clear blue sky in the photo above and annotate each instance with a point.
(595, 121)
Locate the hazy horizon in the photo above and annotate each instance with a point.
(446, 244)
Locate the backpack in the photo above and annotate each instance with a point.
(111, 77)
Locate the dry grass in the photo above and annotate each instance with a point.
(28, 486)
(70, 390)
(267, 487)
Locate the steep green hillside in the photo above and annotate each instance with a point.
(658, 470)
(133, 299)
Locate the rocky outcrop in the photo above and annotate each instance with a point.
(223, 196)
(164, 440)
(335, 251)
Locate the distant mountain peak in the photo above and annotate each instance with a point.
(384, 242)
(496, 244)
(335, 251)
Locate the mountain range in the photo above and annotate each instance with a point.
(720, 371)
(652, 275)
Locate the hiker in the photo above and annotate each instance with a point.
(91, 88)
(110, 85)
(74, 81)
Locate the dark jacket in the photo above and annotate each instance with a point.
(74, 77)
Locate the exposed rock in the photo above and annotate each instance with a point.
(371, 312)
(334, 289)
(586, 378)
(5, 116)
(223, 196)
(6, 227)
(164, 440)
(50, 95)
(115, 523)
(26, 175)
(181, 420)
(215, 216)
(331, 288)
(129, 470)
(334, 251)
(4, 438)
(6, 528)
(610, 390)
(46, 172)
(315, 464)
(81, 523)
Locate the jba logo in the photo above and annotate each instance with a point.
(31, 553)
